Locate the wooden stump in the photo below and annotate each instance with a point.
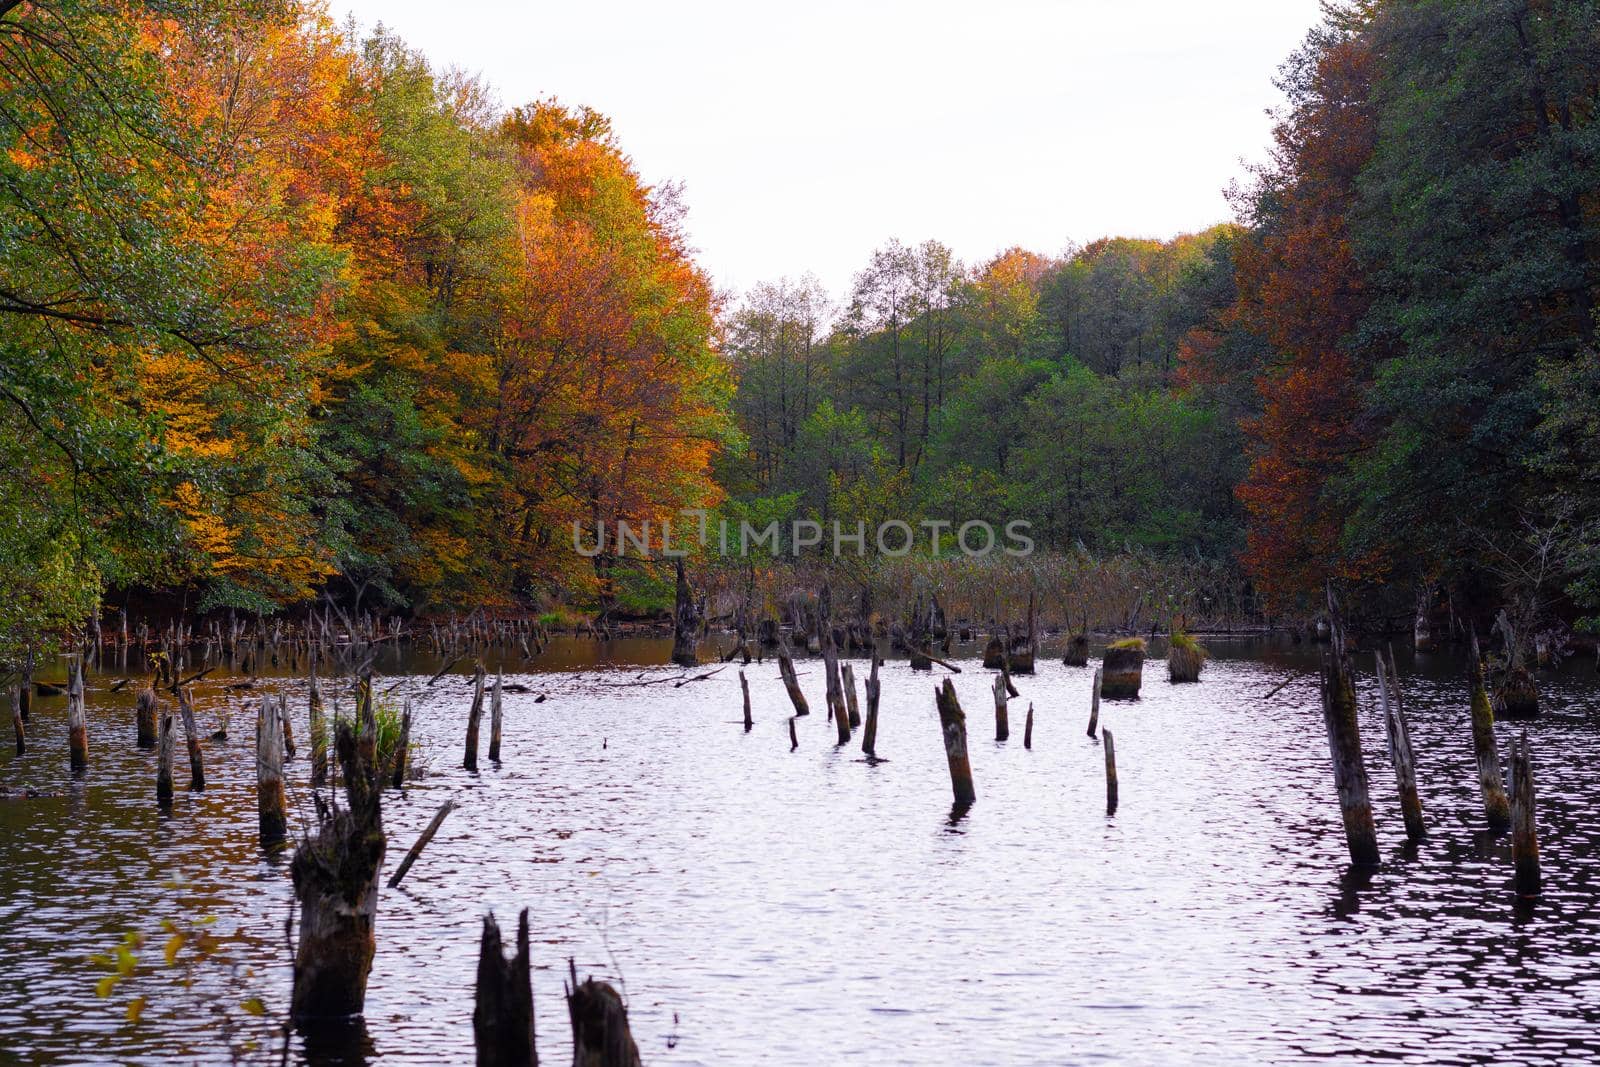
(270, 801)
(288, 731)
(145, 719)
(319, 729)
(77, 718)
(994, 654)
(685, 623)
(502, 1013)
(744, 687)
(1111, 771)
(600, 1035)
(336, 881)
(469, 760)
(1027, 729)
(27, 686)
(1344, 745)
(1496, 805)
(1517, 694)
(191, 738)
(1002, 721)
(165, 752)
(869, 735)
(402, 750)
(848, 677)
(790, 681)
(1094, 703)
(17, 726)
(1077, 652)
(1185, 658)
(1524, 835)
(953, 724)
(496, 715)
(1400, 753)
(1122, 670)
(834, 687)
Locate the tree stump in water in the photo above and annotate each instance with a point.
(1496, 805)
(922, 658)
(953, 724)
(1185, 658)
(319, 729)
(1517, 694)
(1111, 771)
(17, 726)
(744, 688)
(994, 654)
(145, 719)
(600, 1035)
(469, 760)
(496, 715)
(1094, 702)
(1077, 652)
(1524, 835)
(1002, 720)
(1422, 638)
(869, 733)
(1027, 729)
(1400, 753)
(402, 749)
(270, 801)
(336, 881)
(791, 682)
(168, 747)
(847, 676)
(1344, 745)
(1122, 669)
(685, 623)
(77, 718)
(27, 686)
(502, 1014)
(191, 738)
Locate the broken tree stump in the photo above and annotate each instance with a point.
(1400, 753)
(953, 723)
(1002, 720)
(422, 842)
(869, 734)
(469, 760)
(1077, 651)
(1496, 805)
(794, 739)
(600, 1035)
(319, 728)
(744, 687)
(1027, 729)
(191, 737)
(17, 726)
(1111, 771)
(848, 678)
(502, 1013)
(496, 716)
(835, 687)
(270, 802)
(685, 623)
(1122, 669)
(144, 716)
(402, 749)
(1344, 746)
(1094, 704)
(790, 681)
(336, 881)
(77, 718)
(165, 751)
(1524, 835)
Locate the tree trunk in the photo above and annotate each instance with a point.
(1344, 745)
(145, 719)
(1400, 753)
(953, 723)
(77, 718)
(1496, 805)
(270, 801)
(600, 1035)
(502, 1014)
(469, 760)
(685, 623)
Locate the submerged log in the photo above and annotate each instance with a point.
(790, 681)
(422, 842)
(1400, 753)
(1344, 746)
(270, 801)
(1122, 669)
(1524, 835)
(922, 658)
(469, 760)
(165, 752)
(502, 1013)
(953, 723)
(1111, 771)
(496, 716)
(1094, 703)
(144, 716)
(336, 880)
(600, 1035)
(869, 734)
(1496, 805)
(77, 718)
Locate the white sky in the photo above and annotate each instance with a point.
(808, 134)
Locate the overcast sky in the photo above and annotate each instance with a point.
(808, 134)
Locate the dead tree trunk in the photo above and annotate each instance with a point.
(168, 747)
(1496, 805)
(496, 715)
(319, 728)
(1109, 744)
(402, 751)
(1002, 719)
(1094, 704)
(847, 677)
(270, 801)
(685, 623)
(17, 726)
(790, 681)
(1400, 753)
(469, 761)
(1027, 729)
(145, 719)
(77, 718)
(600, 1035)
(422, 842)
(869, 734)
(1344, 745)
(835, 688)
(502, 1015)
(336, 881)
(953, 722)
(1524, 835)
(744, 687)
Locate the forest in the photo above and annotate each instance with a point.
(290, 315)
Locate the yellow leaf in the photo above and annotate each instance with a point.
(254, 1006)
(174, 946)
(104, 987)
(135, 1009)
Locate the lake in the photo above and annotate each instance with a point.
(763, 905)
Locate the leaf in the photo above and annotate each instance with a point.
(105, 986)
(175, 945)
(135, 1009)
(254, 1006)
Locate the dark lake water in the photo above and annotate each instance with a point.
(767, 906)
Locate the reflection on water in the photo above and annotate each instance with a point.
(765, 906)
